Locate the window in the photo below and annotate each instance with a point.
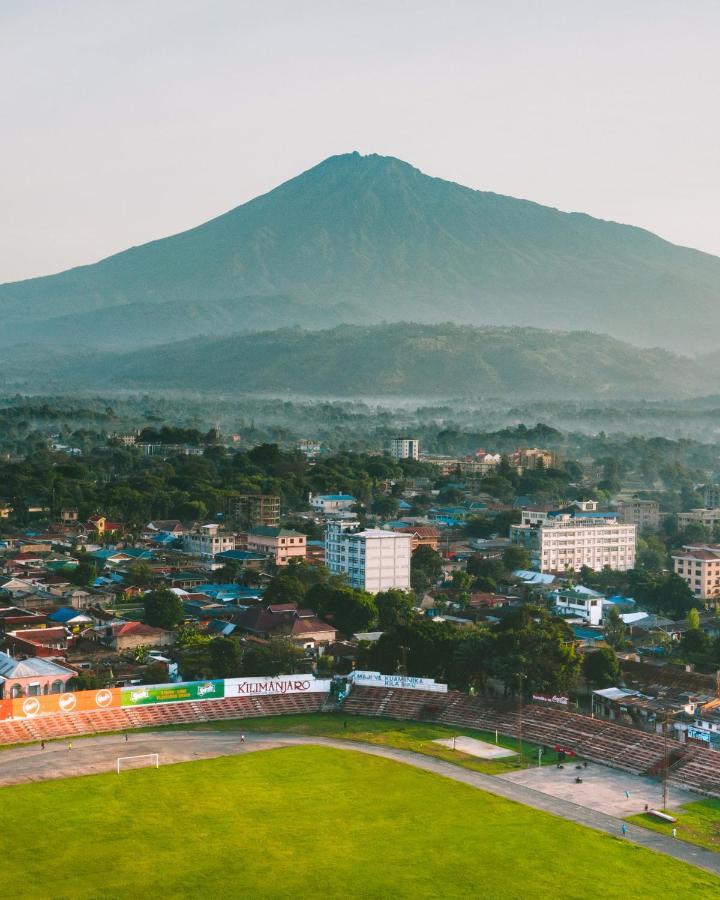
(57, 687)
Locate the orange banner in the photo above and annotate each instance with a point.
(79, 701)
(5, 709)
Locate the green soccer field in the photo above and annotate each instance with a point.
(309, 822)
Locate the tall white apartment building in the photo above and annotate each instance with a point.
(372, 560)
(571, 540)
(405, 448)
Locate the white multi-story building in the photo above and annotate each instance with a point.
(573, 539)
(208, 540)
(405, 448)
(372, 560)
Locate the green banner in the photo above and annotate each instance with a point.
(172, 693)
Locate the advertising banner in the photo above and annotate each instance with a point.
(172, 693)
(280, 684)
(5, 709)
(376, 679)
(556, 698)
(77, 701)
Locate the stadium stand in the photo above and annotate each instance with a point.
(20, 731)
(597, 740)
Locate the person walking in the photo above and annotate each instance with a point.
(674, 832)
(69, 747)
(242, 738)
(126, 737)
(42, 745)
(623, 829)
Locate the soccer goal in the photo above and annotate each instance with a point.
(153, 757)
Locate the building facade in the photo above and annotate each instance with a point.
(281, 544)
(329, 504)
(699, 566)
(253, 510)
(708, 518)
(372, 560)
(644, 514)
(570, 540)
(405, 448)
(208, 540)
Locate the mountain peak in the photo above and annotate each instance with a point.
(368, 238)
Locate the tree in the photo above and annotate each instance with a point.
(141, 574)
(394, 607)
(350, 610)
(614, 628)
(83, 575)
(461, 581)
(651, 553)
(225, 657)
(426, 647)
(515, 557)
(473, 659)
(601, 668)
(279, 656)
(425, 568)
(486, 570)
(693, 620)
(536, 650)
(384, 506)
(163, 609)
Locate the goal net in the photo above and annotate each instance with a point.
(135, 762)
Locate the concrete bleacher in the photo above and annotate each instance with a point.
(597, 740)
(67, 725)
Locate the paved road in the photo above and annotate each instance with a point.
(99, 754)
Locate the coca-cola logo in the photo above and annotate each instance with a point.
(104, 698)
(31, 706)
(67, 702)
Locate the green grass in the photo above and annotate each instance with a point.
(698, 823)
(311, 822)
(402, 735)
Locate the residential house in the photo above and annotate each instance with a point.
(32, 677)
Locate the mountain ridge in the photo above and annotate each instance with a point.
(374, 236)
(398, 359)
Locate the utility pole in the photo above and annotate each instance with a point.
(403, 664)
(665, 762)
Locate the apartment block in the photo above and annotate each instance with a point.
(281, 544)
(208, 540)
(405, 448)
(372, 560)
(571, 539)
(708, 518)
(644, 514)
(699, 566)
(254, 510)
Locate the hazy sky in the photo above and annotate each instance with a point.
(126, 120)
